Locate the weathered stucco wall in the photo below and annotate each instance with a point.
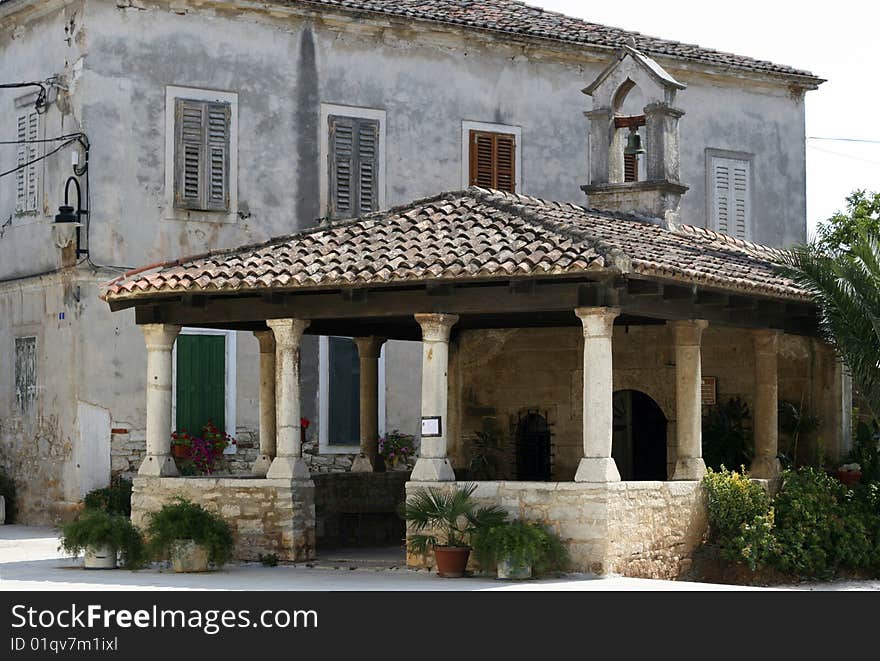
(265, 516)
(641, 529)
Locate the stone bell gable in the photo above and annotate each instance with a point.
(659, 193)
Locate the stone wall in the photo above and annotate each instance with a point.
(266, 516)
(639, 529)
(359, 509)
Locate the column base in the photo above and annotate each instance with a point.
(691, 468)
(765, 468)
(432, 469)
(158, 465)
(363, 464)
(262, 465)
(290, 468)
(597, 469)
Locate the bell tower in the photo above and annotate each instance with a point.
(617, 183)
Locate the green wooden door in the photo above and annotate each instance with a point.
(201, 382)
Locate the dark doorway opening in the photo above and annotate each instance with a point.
(534, 460)
(639, 442)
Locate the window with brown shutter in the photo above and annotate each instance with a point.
(493, 160)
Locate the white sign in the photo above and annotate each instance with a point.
(431, 426)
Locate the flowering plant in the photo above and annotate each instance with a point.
(397, 447)
(205, 451)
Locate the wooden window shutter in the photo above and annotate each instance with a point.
(630, 167)
(341, 199)
(25, 373)
(354, 166)
(731, 210)
(493, 160)
(22, 158)
(368, 165)
(33, 134)
(26, 179)
(201, 155)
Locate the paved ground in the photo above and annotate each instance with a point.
(30, 560)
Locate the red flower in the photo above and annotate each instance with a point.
(304, 423)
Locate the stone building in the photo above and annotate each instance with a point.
(413, 98)
(578, 335)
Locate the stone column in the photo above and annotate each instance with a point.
(159, 339)
(288, 462)
(597, 464)
(661, 128)
(433, 464)
(766, 464)
(369, 349)
(267, 401)
(601, 137)
(686, 337)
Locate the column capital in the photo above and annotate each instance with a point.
(266, 339)
(160, 336)
(599, 114)
(766, 340)
(288, 332)
(370, 346)
(659, 108)
(436, 326)
(687, 332)
(597, 321)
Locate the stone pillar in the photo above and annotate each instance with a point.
(766, 430)
(601, 138)
(267, 401)
(288, 462)
(433, 464)
(686, 336)
(597, 464)
(159, 339)
(368, 460)
(661, 127)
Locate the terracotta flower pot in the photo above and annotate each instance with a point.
(180, 451)
(451, 560)
(849, 478)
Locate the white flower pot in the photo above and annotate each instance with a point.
(187, 556)
(100, 557)
(508, 571)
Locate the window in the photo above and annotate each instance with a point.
(204, 380)
(201, 155)
(491, 157)
(27, 178)
(25, 373)
(729, 193)
(354, 166)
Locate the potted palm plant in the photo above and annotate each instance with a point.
(101, 536)
(444, 521)
(189, 536)
(519, 549)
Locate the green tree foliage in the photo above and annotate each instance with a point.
(862, 218)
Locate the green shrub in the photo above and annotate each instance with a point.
(98, 528)
(522, 544)
(740, 517)
(186, 520)
(821, 526)
(115, 499)
(7, 490)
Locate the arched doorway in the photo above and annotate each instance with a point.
(639, 441)
(533, 452)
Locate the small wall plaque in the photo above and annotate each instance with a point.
(707, 390)
(431, 426)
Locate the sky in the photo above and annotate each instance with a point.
(836, 41)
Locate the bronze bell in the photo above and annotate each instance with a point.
(633, 144)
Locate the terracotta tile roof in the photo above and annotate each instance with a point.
(474, 234)
(516, 18)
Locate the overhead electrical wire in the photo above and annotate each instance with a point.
(862, 140)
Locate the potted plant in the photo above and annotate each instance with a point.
(181, 445)
(519, 549)
(101, 536)
(396, 449)
(444, 521)
(189, 536)
(850, 474)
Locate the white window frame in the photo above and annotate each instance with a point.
(229, 372)
(324, 446)
(712, 153)
(516, 131)
(173, 92)
(328, 109)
